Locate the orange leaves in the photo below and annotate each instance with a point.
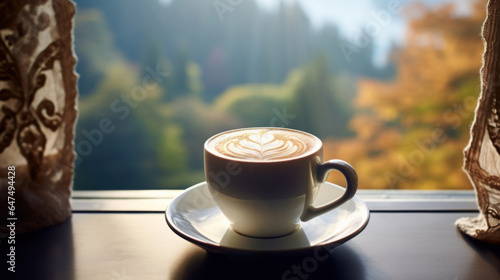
(366, 128)
(381, 99)
(410, 132)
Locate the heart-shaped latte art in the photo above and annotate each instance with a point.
(264, 146)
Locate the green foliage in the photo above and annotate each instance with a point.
(163, 79)
(172, 151)
(154, 60)
(94, 46)
(254, 105)
(198, 121)
(180, 73)
(320, 109)
(194, 82)
(253, 45)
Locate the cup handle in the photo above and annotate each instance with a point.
(321, 175)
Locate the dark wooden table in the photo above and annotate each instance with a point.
(124, 236)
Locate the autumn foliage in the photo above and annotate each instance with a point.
(402, 125)
(411, 131)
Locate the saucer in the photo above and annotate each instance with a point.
(194, 216)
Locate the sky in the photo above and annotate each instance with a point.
(353, 17)
(349, 13)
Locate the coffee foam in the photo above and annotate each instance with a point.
(263, 144)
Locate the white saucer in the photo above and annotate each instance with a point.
(194, 216)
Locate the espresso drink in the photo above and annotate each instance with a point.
(263, 144)
(264, 180)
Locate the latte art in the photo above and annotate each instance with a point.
(263, 144)
(264, 147)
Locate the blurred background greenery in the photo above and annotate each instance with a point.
(158, 78)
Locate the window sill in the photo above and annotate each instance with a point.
(115, 234)
(377, 200)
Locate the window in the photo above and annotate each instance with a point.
(389, 86)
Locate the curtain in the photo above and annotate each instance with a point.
(482, 155)
(37, 113)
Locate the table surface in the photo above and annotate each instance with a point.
(113, 243)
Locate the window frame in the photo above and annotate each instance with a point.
(154, 201)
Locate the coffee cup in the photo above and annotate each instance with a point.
(265, 180)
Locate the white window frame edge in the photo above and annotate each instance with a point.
(377, 200)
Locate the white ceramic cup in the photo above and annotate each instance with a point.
(264, 180)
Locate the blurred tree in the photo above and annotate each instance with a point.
(255, 105)
(94, 46)
(199, 121)
(411, 131)
(154, 64)
(316, 103)
(112, 144)
(195, 83)
(180, 73)
(216, 73)
(248, 45)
